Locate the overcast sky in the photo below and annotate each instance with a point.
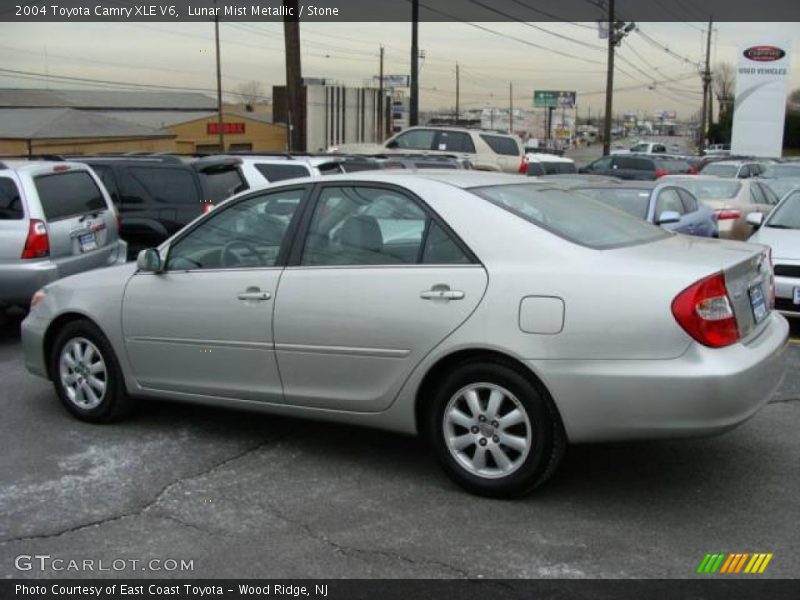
(183, 55)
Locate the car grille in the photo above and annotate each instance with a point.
(787, 271)
(786, 304)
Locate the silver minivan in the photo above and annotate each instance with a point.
(56, 219)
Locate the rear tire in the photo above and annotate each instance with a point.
(86, 374)
(494, 432)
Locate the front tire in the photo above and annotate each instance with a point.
(86, 374)
(494, 432)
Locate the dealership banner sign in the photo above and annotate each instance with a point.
(760, 108)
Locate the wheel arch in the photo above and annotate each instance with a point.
(443, 365)
(53, 330)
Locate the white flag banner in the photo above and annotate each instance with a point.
(760, 108)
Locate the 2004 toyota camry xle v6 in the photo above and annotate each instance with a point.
(498, 316)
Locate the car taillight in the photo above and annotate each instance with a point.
(692, 170)
(523, 165)
(705, 312)
(660, 173)
(207, 207)
(728, 213)
(37, 244)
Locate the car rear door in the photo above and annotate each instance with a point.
(13, 225)
(81, 224)
(375, 283)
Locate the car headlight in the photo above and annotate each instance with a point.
(38, 297)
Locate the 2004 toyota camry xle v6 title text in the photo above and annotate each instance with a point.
(498, 316)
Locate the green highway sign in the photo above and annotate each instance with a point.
(544, 98)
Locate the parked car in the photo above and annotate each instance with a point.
(157, 195)
(733, 169)
(485, 150)
(398, 309)
(782, 170)
(536, 164)
(718, 150)
(638, 167)
(662, 203)
(780, 230)
(56, 219)
(731, 199)
(644, 148)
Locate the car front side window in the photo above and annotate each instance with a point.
(247, 234)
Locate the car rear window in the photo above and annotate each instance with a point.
(274, 172)
(502, 145)
(635, 202)
(559, 168)
(65, 195)
(10, 201)
(222, 183)
(782, 171)
(707, 189)
(571, 215)
(720, 170)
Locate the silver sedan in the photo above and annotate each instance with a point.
(498, 316)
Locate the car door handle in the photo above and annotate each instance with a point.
(442, 292)
(254, 294)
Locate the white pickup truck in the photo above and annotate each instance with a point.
(644, 148)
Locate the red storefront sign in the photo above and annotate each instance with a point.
(213, 128)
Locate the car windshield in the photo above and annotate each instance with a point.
(571, 215)
(639, 148)
(792, 170)
(720, 170)
(708, 189)
(633, 201)
(787, 215)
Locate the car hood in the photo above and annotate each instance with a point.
(785, 243)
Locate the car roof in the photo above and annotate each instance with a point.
(545, 157)
(460, 178)
(22, 165)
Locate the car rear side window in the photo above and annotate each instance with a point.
(689, 201)
(222, 183)
(454, 141)
(106, 175)
(167, 185)
(65, 195)
(10, 200)
(273, 172)
(501, 145)
(571, 216)
(633, 163)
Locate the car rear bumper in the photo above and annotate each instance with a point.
(703, 392)
(21, 278)
(32, 335)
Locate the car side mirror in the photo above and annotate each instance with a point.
(667, 217)
(392, 144)
(755, 219)
(149, 261)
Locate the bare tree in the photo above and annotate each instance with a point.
(724, 82)
(250, 92)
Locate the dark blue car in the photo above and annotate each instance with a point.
(665, 204)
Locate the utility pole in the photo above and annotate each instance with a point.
(609, 79)
(294, 78)
(706, 90)
(458, 94)
(413, 108)
(219, 85)
(511, 108)
(381, 110)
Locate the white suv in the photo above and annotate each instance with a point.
(485, 150)
(56, 219)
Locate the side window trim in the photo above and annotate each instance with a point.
(288, 239)
(300, 235)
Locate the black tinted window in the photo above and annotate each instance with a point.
(454, 141)
(10, 201)
(222, 183)
(559, 168)
(501, 144)
(69, 194)
(634, 163)
(106, 175)
(274, 172)
(167, 185)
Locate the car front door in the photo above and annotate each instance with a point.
(204, 324)
(602, 166)
(373, 286)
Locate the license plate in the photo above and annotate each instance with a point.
(87, 241)
(758, 303)
(796, 295)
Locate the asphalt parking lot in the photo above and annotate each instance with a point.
(245, 495)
